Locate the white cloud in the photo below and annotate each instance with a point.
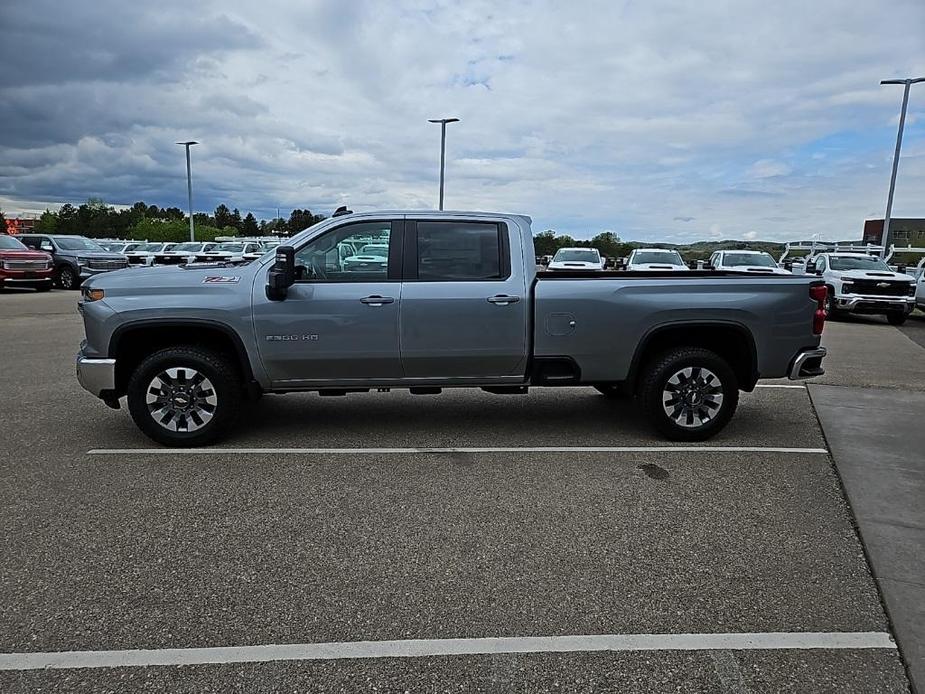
(588, 115)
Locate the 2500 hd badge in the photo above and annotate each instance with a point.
(292, 338)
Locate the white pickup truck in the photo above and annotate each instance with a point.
(861, 283)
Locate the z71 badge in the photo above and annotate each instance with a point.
(221, 279)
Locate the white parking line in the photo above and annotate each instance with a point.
(441, 647)
(801, 386)
(412, 451)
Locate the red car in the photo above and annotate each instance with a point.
(23, 267)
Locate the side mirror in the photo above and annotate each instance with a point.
(810, 268)
(47, 247)
(282, 274)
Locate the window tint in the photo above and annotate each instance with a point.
(334, 256)
(458, 251)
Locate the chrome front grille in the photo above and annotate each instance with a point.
(98, 264)
(26, 265)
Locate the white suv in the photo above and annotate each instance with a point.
(861, 283)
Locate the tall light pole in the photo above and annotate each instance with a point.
(442, 122)
(885, 238)
(189, 187)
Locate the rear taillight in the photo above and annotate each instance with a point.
(819, 293)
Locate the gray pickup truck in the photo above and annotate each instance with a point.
(456, 301)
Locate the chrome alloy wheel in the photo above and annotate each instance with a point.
(692, 397)
(181, 399)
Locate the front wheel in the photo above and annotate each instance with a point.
(184, 396)
(831, 305)
(67, 278)
(896, 318)
(689, 393)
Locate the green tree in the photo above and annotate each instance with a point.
(47, 223)
(249, 225)
(2, 223)
(67, 219)
(302, 219)
(236, 220)
(223, 216)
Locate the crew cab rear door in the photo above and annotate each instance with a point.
(463, 311)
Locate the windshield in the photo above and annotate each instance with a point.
(77, 243)
(230, 247)
(369, 249)
(187, 247)
(113, 246)
(8, 243)
(855, 262)
(577, 256)
(753, 259)
(658, 257)
(150, 247)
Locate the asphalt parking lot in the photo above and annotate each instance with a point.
(110, 551)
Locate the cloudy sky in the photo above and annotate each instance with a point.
(656, 120)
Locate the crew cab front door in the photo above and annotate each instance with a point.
(339, 322)
(463, 312)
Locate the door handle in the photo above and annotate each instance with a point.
(376, 300)
(503, 299)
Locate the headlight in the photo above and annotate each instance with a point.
(912, 289)
(90, 294)
(82, 261)
(846, 287)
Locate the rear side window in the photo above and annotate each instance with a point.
(460, 251)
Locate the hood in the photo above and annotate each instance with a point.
(658, 266)
(171, 279)
(873, 275)
(16, 254)
(577, 264)
(758, 269)
(96, 255)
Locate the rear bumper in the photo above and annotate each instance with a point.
(96, 375)
(807, 364)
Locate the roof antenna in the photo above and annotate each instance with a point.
(341, 211)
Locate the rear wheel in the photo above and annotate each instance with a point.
(184, 396)
(689, 393)
(830, 304)
(896, 318)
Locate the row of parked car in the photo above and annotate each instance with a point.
(45, 260)
(858, 282)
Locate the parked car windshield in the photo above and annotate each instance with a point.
(659, 257)
(371, 249)
(856, 262)
(187, 247)
(230, 247)
(150, 247)
(113, 246)
(753, 259)
(8, 243)
(76, 243)
(570, 256)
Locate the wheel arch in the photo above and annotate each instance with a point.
(732, 341)
(131, 342)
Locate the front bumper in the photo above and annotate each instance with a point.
(807, 364)
(96, 375)
(874, 304)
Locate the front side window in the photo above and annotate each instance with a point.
(459, 251)
(333, 256)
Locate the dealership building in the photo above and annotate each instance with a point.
(903, 232)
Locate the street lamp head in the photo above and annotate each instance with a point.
(914, 80)
(191, 142)
(443, 120)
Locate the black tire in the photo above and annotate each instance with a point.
(830, 308)
(611, 391)
(896, 318)
(663, 377)
(222, 378)
(67, 278)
